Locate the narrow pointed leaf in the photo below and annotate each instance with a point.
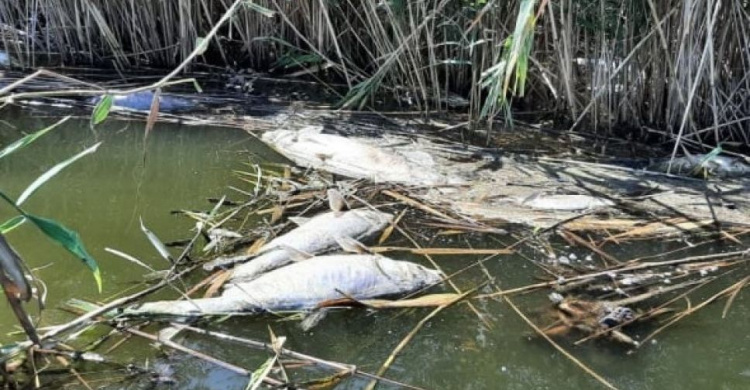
(29, 139)
(12, 223)
(70, 240)
(102, 109)
(157, 243)
(153, 113)
(52, 172)
(201, 44)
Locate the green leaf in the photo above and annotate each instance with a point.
(29, 139)
(12, 224)
(197, 86)
(70, 240)
(256, 379)
(51, 173)
(157, 243)
(201, 44)
(101, 111)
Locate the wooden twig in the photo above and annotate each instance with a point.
(295, 355)
(200, 355)
(558, 347)
(411, 335)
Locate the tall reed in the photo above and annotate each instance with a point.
(677, 68)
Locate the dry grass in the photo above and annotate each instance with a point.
(680, 67)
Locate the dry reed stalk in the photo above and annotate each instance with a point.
(678, 66)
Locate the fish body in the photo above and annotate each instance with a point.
(304, 285)
(720, 166)
(141, 101)
(349, 157)
(565, 202)
(317, 235)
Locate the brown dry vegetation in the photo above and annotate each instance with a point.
(677, 68)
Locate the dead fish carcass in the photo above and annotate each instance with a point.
(304, 285)
(141, 101)
(349, 157)
(316, 235)
(570, 202)
(703, 165)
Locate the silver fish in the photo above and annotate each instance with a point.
(353, 158)
(700, 164)
(304, 285)
(565, 202)
(317, 235)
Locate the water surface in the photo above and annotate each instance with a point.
(104, 195)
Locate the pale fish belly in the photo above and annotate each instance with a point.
(304, 285)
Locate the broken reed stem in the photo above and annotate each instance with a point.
(202, 356)
(164, 81)
(691, 310)
(392, 357)
(441, 251)
(558, 347)
(739, 286)
(737, 255)
(450, 282)
(85, 318)
(295, 355)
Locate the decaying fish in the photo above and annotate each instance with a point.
(316, 235)
(565, 202)
(348, 157)
(701, 165)
(141, 101)
(303, 285)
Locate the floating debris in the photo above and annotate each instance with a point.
(702, 165)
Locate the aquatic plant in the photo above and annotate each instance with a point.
(13, 271)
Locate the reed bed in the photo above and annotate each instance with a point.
(673, 69)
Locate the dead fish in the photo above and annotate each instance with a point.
(316, 235)
(141, 101)
(700, 165)
(349, 157)
(565, 202)
(302, 285)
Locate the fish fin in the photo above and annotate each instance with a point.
(336, 201)
(323, 156)
(299, 221)
(349, 244)
(296, 254)
(313, 318)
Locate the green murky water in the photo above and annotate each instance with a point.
(104, 195)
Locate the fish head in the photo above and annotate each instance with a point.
(376, 219)
(410, 275)
(279, 137)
